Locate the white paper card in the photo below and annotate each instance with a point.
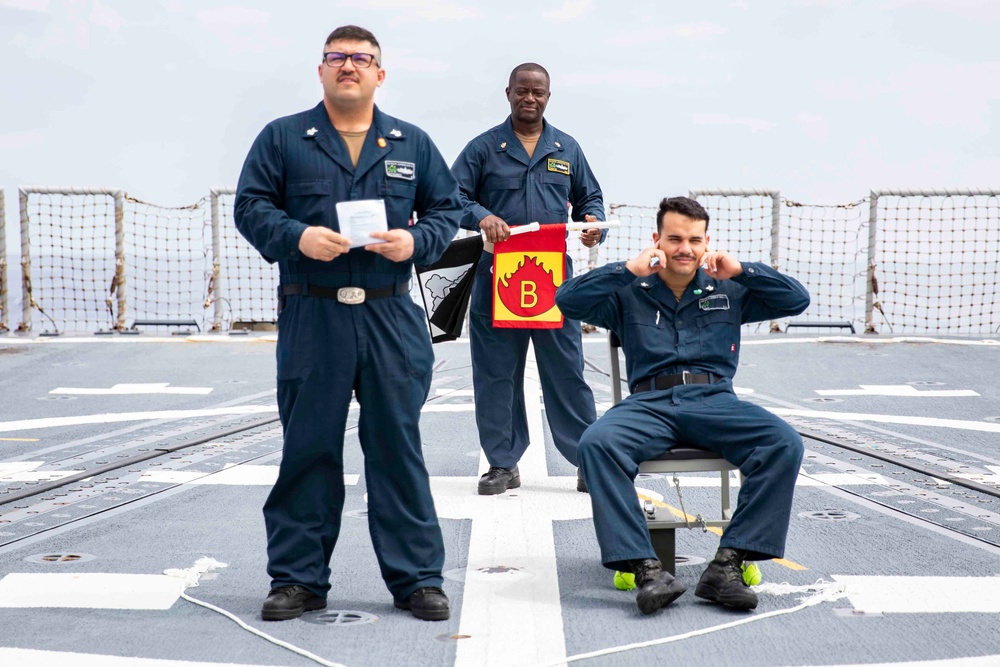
(358, 219)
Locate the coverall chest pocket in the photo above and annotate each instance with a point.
(399, 196)
(308, 201)
(649, 329)
(719, 332)
(507, 199)
(555, 195)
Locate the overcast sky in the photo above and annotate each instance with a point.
(823, 99)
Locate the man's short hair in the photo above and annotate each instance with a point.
(353, 33)
(527, 67)
(684, 206)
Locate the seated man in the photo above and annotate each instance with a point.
(679, 326)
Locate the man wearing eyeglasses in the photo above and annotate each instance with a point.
(525, 170)
(347, 326)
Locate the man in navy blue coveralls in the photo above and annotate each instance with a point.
(679, 327)
(521, 171)
(348, 326)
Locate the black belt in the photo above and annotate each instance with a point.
(349, 295)
(668, 381)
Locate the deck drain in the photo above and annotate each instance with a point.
(339, 617)
(70, 557)
(357, 514)
(830, 515)
(824, 399)
(680, 560)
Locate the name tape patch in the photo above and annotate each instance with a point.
(404, 170)
(558, 166)
(714, 302)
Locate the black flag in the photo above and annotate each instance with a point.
(446, 286)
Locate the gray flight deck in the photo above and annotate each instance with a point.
(169, 446)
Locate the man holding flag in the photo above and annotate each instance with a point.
(522, 171)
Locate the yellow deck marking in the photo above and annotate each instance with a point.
(20, 439)
(790, 564)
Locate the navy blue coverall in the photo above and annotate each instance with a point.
(496, 177)
(379, 350)
(700, 334)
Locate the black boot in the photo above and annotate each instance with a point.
(581, 485)
(288, 602)
(723, 582)
(656, 588)
(498, 480)
(428, 604)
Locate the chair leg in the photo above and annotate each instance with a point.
(665, 546)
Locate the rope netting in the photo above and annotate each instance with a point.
(826, 249)
(69, 259)
(936, 263)
(168, 262)
(246, 284)
(98, 260)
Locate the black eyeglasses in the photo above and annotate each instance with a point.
(336, 59)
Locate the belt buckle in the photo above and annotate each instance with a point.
(684, 377)
(352, 296)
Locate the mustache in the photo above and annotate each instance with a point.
(682, 257)
(348, 77)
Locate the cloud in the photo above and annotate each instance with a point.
(739, 4)
(27, 5)
(943, 95)
(755, 124)
(241, 29)
(628, 79)
(403, 61)
(571, 10)
(816, 127)
(697, 32)
(106, 17)
(408, 11)
(975, 10)
(17, 140)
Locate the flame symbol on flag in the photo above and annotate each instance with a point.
(529, 291)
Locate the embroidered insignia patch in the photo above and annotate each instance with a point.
(558, 166)
(404, 170)
(715, 302)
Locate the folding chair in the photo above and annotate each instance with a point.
(681, 458)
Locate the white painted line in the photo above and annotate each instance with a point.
(132, 389)
(962, 424)
(90, 590)
(444, 391)
(870, 340)
(902, 390)
(922, 595)
(714, 481)
(113, 417)
(138, 340)
(978, 661)
(516, 619)
(237, 475)
(15, 467)
(23, 657)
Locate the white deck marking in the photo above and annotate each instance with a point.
(513, 619)
(23, 657)
(979, 661)
(90, 590)
(922, 595)
(444, 391)
(962, 424)
(903, 390)
(237, 475)
(113, 417)
(132, 389)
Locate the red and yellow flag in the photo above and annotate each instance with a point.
(527, 269)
